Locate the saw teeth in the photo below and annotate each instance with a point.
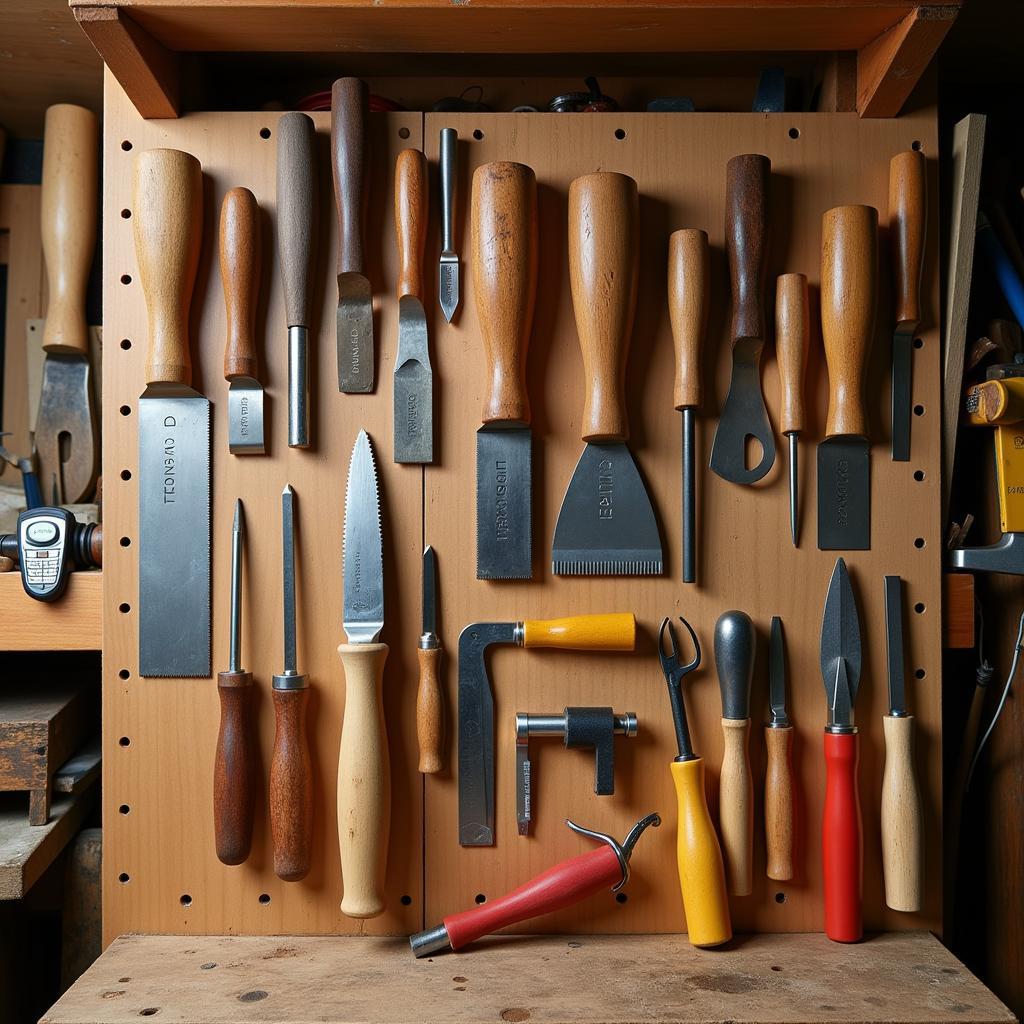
(607, 567)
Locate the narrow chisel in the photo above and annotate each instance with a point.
(448, 268)
(792, 339)
(778, 781)
(429, 703)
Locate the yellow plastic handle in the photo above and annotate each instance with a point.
(612, 632)
(701, 871)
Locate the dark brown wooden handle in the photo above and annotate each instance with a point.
(410, 220)
(430, 711)
(746, 235)
(792, 338)
(603, 254)
(291, 787)
(906, 232)
(234, 769)
(296, 212)
(503, 252)
(689, 299)
(240, 274)
(349, 102)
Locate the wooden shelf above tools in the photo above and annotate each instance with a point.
(74, 623)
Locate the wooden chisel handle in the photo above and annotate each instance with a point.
(349, 104)
(689, 300)
(746, 241)
(901, 817)
(70, 201)
(167, 200)
(792, 340)
(849, 272)
(410, 220)
(240, 258)
(364, 783)
(296, 212)
(235, 768)
(503, 251)
(603, 255)
(778, 802)
(612, 632)
(841, 839)
(291, 787)
(906, 232)
(736, 806)
(430, 711)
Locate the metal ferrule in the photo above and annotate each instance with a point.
(290, 681)
(433, 940)
(298, 387)
(518, 634)
(837, 729)
(429, 642)
(778, 721)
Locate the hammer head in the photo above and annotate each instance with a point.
(1006, 556)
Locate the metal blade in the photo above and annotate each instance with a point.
(448, 269)
(689, 497)
(429, 591)
(894, 645)
(844, 494)
(363, 558)
(840, 651)
(413, 386)
(355, 334)
(524, 789)
(777, 675)
(245, 417)
(291, 660)
(504, 522)
(65, 428)
(448, 284)
(902, 359)
(237, 541)
(794, 477)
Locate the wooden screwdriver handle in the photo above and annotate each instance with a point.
(849, 262)
(410, 220)
(906, 232)
(792, 340)
(350, 100)
(240, 259)
(612, 632)
(70, 204)
(296, 212)
(235, 768)
(746, 240)
(603, 255)
(364, 783)
(778, 802)
(430, 711)
(736, 806)
(167, 200)
(689, 300)
(291, 787)
(503, 252)
(901, 817)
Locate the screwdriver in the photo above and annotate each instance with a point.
(792, 338)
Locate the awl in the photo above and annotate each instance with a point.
(429, 702)
(448, 267)
(792, 339)
(778, 780)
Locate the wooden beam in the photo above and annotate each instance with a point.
(74, 623)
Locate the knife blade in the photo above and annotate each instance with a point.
(448, 268)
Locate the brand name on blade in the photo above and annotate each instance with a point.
(170, 462)
(841, 492)
(605, 489)
(502, 527)
(412, 415)
(447, 289)
(243, 416)
(353, 337)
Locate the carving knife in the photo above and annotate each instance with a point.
(792, 339)
(429, 703)
(448, 268)
(778, 782)
(174, 424)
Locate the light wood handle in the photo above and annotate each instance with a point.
(240, 259)
(612, 632)
(689, 299)
(778, 802)
(736, 806)
(410, 220)
(291, 787)
(296, 212)
(503, 252)
(350, 99)
(901, 817)
(167, 200)
(364, 783)
(792, 340)
(235, 768)
(430, 712)
(70, 203)
(603, 254)
(746, 240)
(906, 232)
(849, 271)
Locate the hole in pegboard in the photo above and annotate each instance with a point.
(126, 279)
(620, 133)
(126, 145)
(403, 133)
(621, 897)
(185, 900)
(124, 741)
(479, 898)
(263, 899)
(124, 809)
(264, 133)
(780, 897)
(126, 214)
(777, 969)
(126, 542)
(124, 607)
(126, 474)
(124, 878)
(149, 1011)
(124, 674)
(916, 145)
(919, 608)
(477, 134)
(919, 475)
(125, 410)
(918, 410)
(919, 343)
(405, 900)
(794, 133)
(919, 673)
(126, 344)
(919, 542)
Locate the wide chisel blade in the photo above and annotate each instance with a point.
(844, 494)
(504, 528)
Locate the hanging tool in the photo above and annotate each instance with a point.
(592, 728)
(364, 784)
(29, 481)
(240, 257)
(296, 247)
(792, 340)
(613, 632)
(744, 415)
(413, 379)
(66, 441)
(698, 855)
(174, 424)
(841, 842)
(560, 886)
(237, 759)
(448, 268)
(901, 797)
(429, 703)
(606, 525)
(778, 782)
(906, 234)
(848, 274)
(349, 100)
(689, 299)
(503, 252)
(291, 769)
(735, 646)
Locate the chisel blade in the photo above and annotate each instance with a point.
(245, 417)
(448, 284)
(355, 334)
(413, 385)
(844, 494)
(504, 524)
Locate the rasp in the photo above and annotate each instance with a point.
(448, 267)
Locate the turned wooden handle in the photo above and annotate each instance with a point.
(410, 220)
(906, 232)
(291, 787)
(364, 783)
(792, 339)
(296, 212)
(430, 712)
(901, 817)
(603, 254)
(240, 258)
(746, 240)
(778, 802)
(689, 299)
(503, 252)
(849, 271)
(736, 806)
(70, 205)
(350, 100)
(167, 204)
(235, 768)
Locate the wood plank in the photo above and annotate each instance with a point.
(74, 623)
(958, 610)
(80, 770)
(82, 911)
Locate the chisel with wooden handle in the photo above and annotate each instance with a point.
(429, 702)
(778, 782)
(792, 339)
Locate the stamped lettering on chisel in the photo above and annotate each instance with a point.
(502, 528)
(605, 489)
(842, 493)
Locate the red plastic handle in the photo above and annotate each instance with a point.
(559, 886)
(841, 842)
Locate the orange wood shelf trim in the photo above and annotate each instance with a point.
(74, 623)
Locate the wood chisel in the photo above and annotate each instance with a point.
(66, 441)
(364, 783)
(296, 247)
(237, 759)
(240, 257)
(291, 768)
(349, 106)
(503, 251)
(901, 798)
(413, 384)
(698, 855)
(735, 646)
(689, 300)
(606, 525)
(448, 268)
(778, 781)
(906, 235)
(848, 276)
(792, 340)
(429, 702)
(174, 424)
